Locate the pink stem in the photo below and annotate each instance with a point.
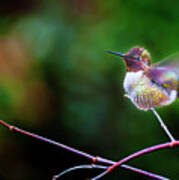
(142, 152)
(94, 159)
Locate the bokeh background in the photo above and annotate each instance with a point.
(56, 80)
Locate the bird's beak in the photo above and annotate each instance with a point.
(116, 53)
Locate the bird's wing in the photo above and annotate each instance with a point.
(163, 77)
(166, 73)
(171, 63)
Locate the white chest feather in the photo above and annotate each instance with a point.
(130, 79)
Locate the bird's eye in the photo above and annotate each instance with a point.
(137, 58)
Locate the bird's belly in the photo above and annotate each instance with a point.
(144, 94)
(152, 97)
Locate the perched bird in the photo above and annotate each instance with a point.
(150, 85)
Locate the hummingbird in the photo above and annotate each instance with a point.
(148, 85)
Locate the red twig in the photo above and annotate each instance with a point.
(94, 159)
(137, 154)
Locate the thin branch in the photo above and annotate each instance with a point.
(154, 176)
(137, 154)
(92, 166)
(13, 128)
(146, 173)
(94, 159)
(100, 175)
(163, 125)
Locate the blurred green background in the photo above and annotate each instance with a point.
(56, 80)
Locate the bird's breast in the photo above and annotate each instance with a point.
(132, 79)
(144, 93)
